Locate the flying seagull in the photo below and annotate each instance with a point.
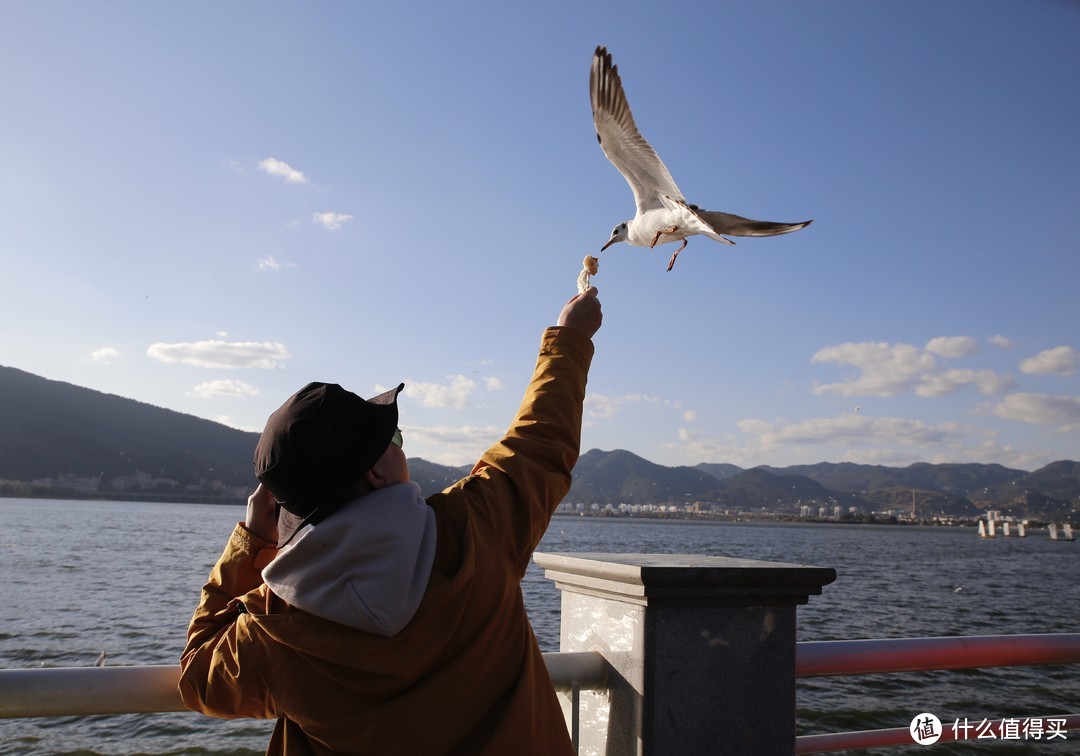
(663, 214)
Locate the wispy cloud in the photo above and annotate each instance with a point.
(1040, 409)
(222, 354)
(884, 441)
(850, 437)
(1060, 360)
(224, 387)
(331, 221)
(849, 429)
(228, 420)
(271, 263)
(893, 369)
(275, 167)
(603, 406)
(104, 355)
(1001, 342)
(953, 346)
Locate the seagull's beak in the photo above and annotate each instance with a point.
(607, 245)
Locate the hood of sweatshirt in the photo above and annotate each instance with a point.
(365, 566)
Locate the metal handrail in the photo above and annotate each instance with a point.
(84, 691)
(864, 657)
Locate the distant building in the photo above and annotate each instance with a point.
(83, 485)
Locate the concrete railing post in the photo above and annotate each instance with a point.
(702, 650)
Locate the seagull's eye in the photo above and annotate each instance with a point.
(615, 231)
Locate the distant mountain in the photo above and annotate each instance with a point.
(759, 488)
(957, 489)
(93, 443)
(928, 502)
(619, 476)
(1057, 480)
(960, 479)
(843, 476)
(49, 428)
(1053, 491)
(719, 470)
(433, 477)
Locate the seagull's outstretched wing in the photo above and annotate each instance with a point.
(620, 139)
(736, 225)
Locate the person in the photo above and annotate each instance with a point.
(367, 619)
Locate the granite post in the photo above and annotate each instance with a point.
(701, 650)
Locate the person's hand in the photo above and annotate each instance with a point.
(261, 518)
(583, 313)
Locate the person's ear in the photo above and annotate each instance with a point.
(375, 480)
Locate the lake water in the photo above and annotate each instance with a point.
(83, 577)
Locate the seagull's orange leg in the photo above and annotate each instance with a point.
(671, 263)
(663, 231)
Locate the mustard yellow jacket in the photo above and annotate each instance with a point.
(465, 676)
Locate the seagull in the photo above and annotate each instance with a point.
(663, 214)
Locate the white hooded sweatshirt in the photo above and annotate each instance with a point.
(365, 566)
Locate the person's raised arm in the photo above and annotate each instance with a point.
(518, 482)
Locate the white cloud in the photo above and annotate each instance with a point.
(493, 384)
(331, 221)
(953, 346)
(104, 355)
(1040, 409)
(1001, 341)
(224, 387)
(1060, 360)
(449, 445)
(689, 416)
(275, 167)
(849, 429)
(985, 382)
(884, 369)
(222, 354)
(602, 406)
(454, 395)
(233, 165)
(271, 263)
(849, 437)
(227, 420)
(894, 369)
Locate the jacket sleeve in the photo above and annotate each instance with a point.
(518, 483)
(210, 668)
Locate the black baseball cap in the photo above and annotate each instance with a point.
(319, 444)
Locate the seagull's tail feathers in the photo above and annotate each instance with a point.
(736, 225)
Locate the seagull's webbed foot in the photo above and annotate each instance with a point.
(663, 231)
(671, 262)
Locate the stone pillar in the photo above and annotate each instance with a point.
(701, 648)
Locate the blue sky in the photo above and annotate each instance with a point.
(204, 206)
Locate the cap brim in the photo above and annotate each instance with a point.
(387, 397)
